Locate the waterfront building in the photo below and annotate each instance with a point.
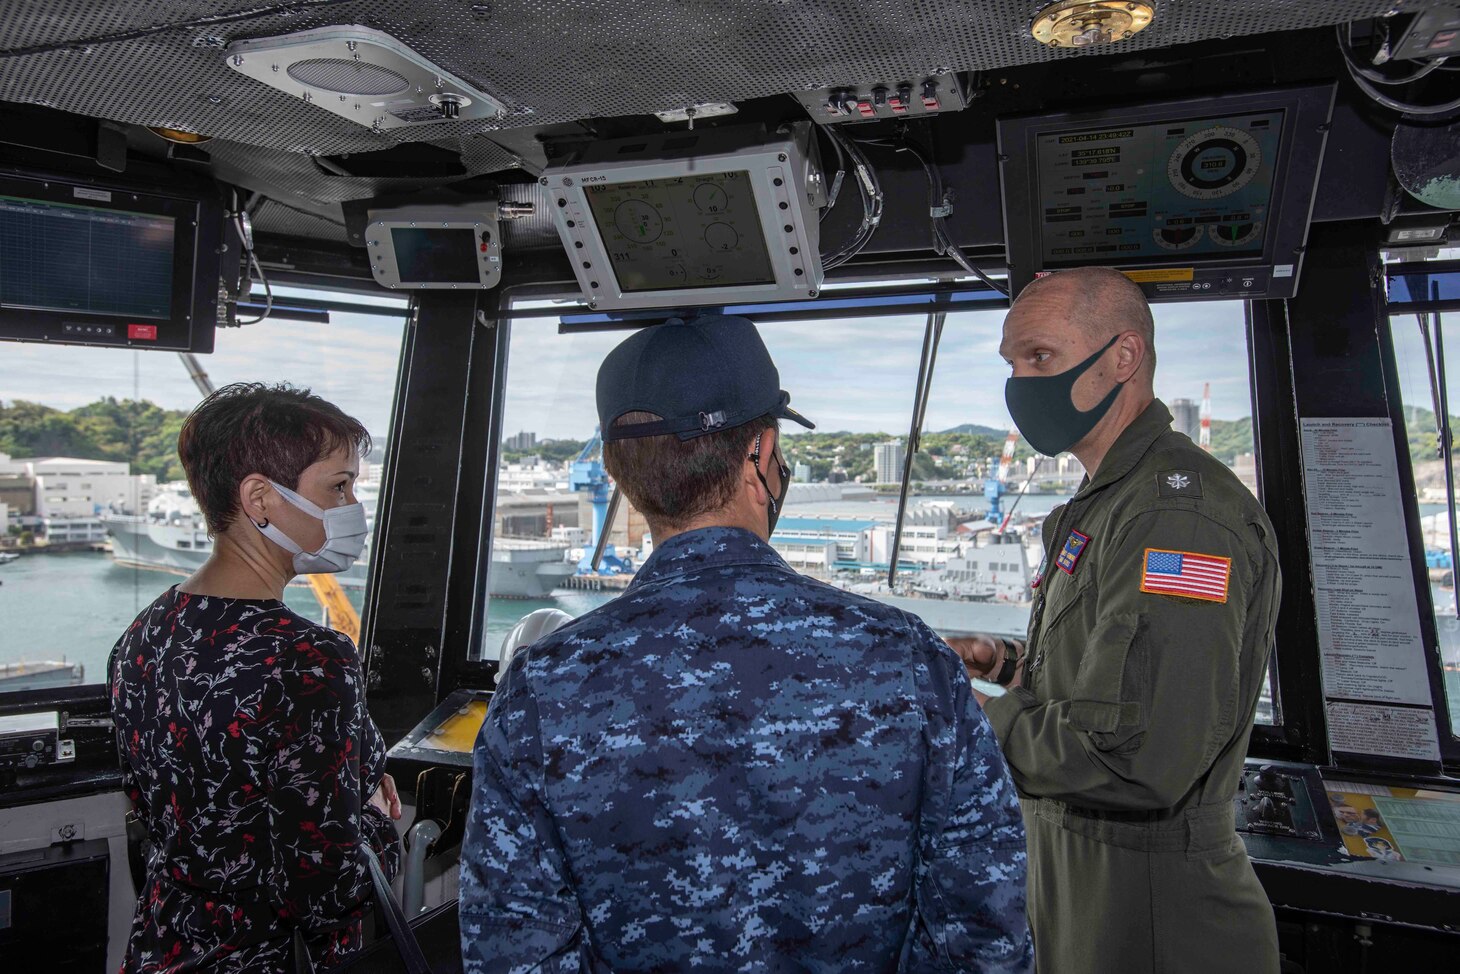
(888, 462)
(1186, 418)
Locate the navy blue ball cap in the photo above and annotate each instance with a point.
(709, 374)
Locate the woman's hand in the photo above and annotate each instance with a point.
(386, 798)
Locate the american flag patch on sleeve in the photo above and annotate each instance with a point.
(1186, 574)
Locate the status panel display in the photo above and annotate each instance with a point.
(65, 257)
(682, 232)
(1119, 193)
(435, 255)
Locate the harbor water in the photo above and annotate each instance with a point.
(73, 607)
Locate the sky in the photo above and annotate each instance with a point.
(847, 374)
(860, 375)
(352, 362)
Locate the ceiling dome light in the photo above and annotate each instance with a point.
(178, 135)
(1086, 23)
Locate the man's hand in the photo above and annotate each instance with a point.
(982, 655)
(386, 798)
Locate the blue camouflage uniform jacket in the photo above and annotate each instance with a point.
(734, 767)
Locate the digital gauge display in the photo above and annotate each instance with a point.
(682, 232)
(1157, 190)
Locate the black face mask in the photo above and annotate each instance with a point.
(776, 503)
(1044, 410)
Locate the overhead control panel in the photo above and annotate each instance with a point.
(435, 247)
(691, 218)
(1206, 198)
(907, 98)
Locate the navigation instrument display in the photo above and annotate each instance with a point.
(71, 258)
(1133, 192)
(435, 255)
(682, 232)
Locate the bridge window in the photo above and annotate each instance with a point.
(855, 377)
(93, 553)
(1420, 415)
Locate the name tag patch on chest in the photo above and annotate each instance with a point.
(1069, 555)
(1186, 574)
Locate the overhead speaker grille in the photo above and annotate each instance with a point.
(348, 77)
(361, 74)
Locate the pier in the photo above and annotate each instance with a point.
(597, 583)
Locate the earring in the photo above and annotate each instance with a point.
(262, 526)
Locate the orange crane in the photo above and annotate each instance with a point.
(1006, 460)
(339, 612)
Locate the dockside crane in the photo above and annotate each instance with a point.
(587, 474)
(995, 487)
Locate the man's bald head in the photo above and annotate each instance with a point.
(1100, 300)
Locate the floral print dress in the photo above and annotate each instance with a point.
(248, 754)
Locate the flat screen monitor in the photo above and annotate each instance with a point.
(682, 232)
(436, 256)
(688, 219)
(1197, 199)
(82, 263)
(434, 246)
(66, 257)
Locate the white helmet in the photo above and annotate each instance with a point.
(529, 629)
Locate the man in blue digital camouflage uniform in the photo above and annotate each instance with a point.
(733, 767)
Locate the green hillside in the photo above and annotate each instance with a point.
(145, 435)
(136, 431)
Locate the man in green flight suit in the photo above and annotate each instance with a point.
(1127, 719)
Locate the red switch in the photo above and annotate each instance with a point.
(901, 100)
(930, 95)
(865, 107)
(142, 333)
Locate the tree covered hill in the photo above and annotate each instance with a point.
(136, 431)
(144, 434)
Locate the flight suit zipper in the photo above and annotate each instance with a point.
(1036, 635)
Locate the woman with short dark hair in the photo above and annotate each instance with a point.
(241, 726)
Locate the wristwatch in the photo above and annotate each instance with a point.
(1011, 663)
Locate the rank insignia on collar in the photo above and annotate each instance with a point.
(1178, 483)
(1069, 555)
